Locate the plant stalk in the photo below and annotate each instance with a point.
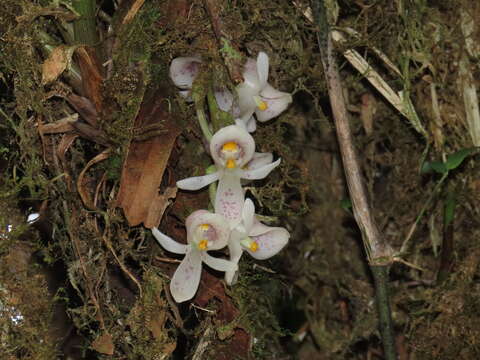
(379, 252)
(380, 277)
(85, 29)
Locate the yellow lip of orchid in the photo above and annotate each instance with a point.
(230, 146)
(261, 105)
(203, 244)
(231, 164)
(249, 244)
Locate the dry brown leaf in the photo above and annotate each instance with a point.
(145, 164)
(158, 207)
(91, 75)
(103, 344)
(58, 60)
(82, 185)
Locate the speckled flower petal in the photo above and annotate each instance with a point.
(261, 172)
(277, 102)
(262, 69)
(230, 198)
(217, 221)
(219, 264)
(186, 279)
(270, 242)
(183, 71)
(168, 243)
(232, 133)
(197, 182)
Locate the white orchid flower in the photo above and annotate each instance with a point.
(183, 71)
(250, 235)
(232, 147)
(257, 96)
(205, 231)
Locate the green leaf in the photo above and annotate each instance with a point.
(437, 166)
(454, 160)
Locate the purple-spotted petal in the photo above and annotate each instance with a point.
(269, 242)
(185, 281)
(261, 172)
(183, 71)
(230, 198)
(220, 228)
(262, 69)
(248, 213)
(224, 99)
(197, 182)
(238, 135)
(168, 243)
(219, 264)
(277, 102)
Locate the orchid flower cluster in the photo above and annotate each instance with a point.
(232, 148)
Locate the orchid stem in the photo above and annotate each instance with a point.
(202, 119)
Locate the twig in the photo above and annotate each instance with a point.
(379, 252)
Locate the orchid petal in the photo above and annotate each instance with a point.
(251, 124)
(219, 264)
(250, 76)
(186, 279)
(168, 243)
(269, 243)
(277, 102)
(258, 160)
(230, 198)
(197, 182)
(246, 102)
(262, 68)
(261, 172)
(236, 251)
(216, 221)
(224, 99)
(232, 133)
(241, 123)
(183, 71)
(248, 213)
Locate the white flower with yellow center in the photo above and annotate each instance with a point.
(257, 96)
(250, 235)
(231, 148)
(205, 231)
